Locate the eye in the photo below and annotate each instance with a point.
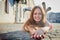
(35, 13)
(39, 13)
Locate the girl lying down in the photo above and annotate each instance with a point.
(35, 25)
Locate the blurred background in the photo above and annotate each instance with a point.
(14, 13)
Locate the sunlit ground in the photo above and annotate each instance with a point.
(15, 32)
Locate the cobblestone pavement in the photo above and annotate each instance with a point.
(54, 34)
(17, 35)
(20, 35)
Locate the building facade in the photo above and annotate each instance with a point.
(13, 11)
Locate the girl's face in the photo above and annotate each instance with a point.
(37, 15)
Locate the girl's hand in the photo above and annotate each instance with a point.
(36, 36)
(33, 33)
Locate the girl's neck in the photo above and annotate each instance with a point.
(37, 22)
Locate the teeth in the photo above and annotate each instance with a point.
(37, 18)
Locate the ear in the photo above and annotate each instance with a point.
(48, 9)
(44, 5)
(45, 10)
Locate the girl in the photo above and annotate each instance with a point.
(35, 25)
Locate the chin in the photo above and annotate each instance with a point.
(37, 21)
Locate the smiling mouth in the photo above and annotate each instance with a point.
(37, 18)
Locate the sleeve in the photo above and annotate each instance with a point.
(29, 29)
(48, 26)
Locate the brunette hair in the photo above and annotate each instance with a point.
(31, 21)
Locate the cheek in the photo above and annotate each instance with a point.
(40, 16)
(34, 16)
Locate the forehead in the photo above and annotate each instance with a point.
(37, 10)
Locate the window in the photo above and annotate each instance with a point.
(53, 17)
(22, 1)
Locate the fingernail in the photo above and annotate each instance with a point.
(37, 36)
(42, 36)
(34, 36)
(31, 36)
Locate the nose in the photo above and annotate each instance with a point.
(38, 14)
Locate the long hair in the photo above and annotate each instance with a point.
(31, 21)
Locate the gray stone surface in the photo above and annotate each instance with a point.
(54, 34)
(17, 35)
(21, 35)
